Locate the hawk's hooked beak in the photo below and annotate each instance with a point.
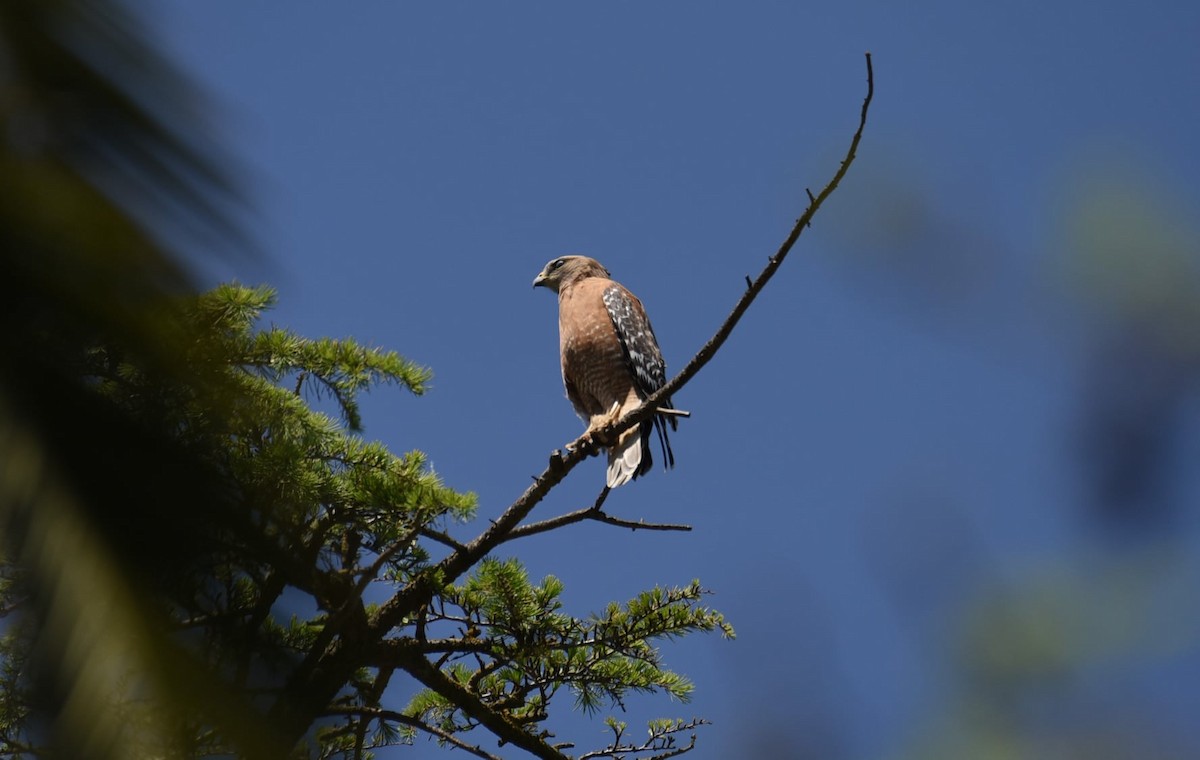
(540, 279)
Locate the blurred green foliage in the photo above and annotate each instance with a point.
(1082, 654)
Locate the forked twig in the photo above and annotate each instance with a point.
(594, 512)
(673, 412)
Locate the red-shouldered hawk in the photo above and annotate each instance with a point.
(610, 360)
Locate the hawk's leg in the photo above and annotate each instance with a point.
(601, 421)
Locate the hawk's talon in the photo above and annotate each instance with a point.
(587, 439)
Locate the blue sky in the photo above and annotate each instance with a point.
(886, 436)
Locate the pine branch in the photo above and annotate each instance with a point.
(661, 741)
(395, 652)
(471, 704)
(407, 720)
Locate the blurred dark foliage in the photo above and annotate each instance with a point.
(1132, 421)
(1080, 643)
(1131, 255)
(105, 180)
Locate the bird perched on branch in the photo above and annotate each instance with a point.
(610, 361)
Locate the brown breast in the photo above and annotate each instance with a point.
(592, 360)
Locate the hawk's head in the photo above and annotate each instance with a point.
(565, 270)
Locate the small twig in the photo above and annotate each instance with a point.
(541, 526)
(557, 522)
(604, 517)
(593, 512)
(442, 538)
(673, 412)
(601, 498)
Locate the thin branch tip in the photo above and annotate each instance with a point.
(599, 515)
(559, 468)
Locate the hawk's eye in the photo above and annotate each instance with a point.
(558, 263)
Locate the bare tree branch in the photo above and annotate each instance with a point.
(608, 519)
(706, 353)
(442, 538)
(593, 512)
